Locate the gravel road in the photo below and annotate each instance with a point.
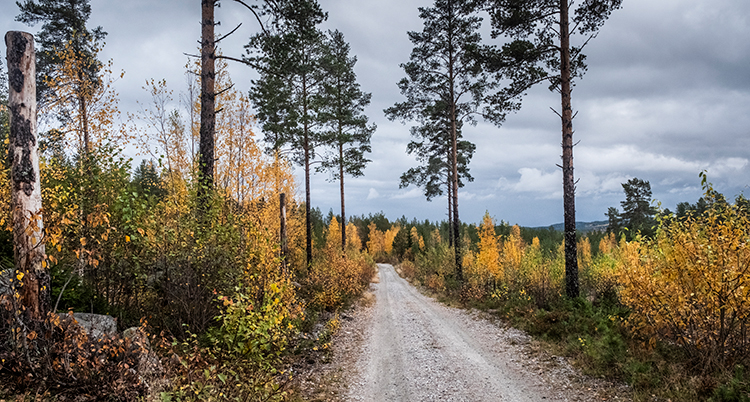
(416, 349)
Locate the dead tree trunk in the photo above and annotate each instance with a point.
(208, 97)
(26, 199)
(569, 197)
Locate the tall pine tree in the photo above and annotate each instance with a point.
(540, 50)
(288, 95)
(63, 25)
(442, 74)
(347, 131)
(431, 146)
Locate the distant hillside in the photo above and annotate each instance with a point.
(582, 226)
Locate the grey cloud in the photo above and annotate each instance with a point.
(666, 95)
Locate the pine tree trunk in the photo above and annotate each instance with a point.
(282, 233)
(454, 157)
(454, 184)
(343, 210)
(449, 186)
(569, 206)
(306, 146)
(308, 221)
(208, 98)
(26, 198)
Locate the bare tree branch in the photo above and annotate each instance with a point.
(255, 13)
(233, 31)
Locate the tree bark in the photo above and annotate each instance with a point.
(83, 110)
(282, 232)
(306, 146)
(343, 210)
(449, 186)
(26, 198)
(454, 156)
(569, 206)
(208, 97)
(84, 123)
(454, 184)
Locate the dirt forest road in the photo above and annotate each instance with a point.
(416, 349)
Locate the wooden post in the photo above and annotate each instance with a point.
(282, 232)
(26, 198)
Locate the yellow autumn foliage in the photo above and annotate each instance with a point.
(353, 241)
(691, 284)
(336, 276)
(376, 241)
(488, 259)
(513, 248)
(607, 244)
(416, 238)
(90, 104)
(333, 237)
(584, 254)
(388, 237)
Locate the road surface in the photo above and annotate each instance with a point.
(416, 349)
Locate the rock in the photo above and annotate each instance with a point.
(136, 335)
(96, 325)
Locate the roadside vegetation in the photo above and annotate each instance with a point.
(220, 281)
(209, 297)
(666, 313)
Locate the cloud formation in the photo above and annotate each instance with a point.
(666, 96)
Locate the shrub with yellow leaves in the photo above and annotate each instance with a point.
(489, 266)
(691, 284)
(513, 250)
(353, 241)
(376, 242)
(335, 276)
(388, 237)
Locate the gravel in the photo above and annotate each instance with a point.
(408, 347)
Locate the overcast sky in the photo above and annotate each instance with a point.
(666, 95)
